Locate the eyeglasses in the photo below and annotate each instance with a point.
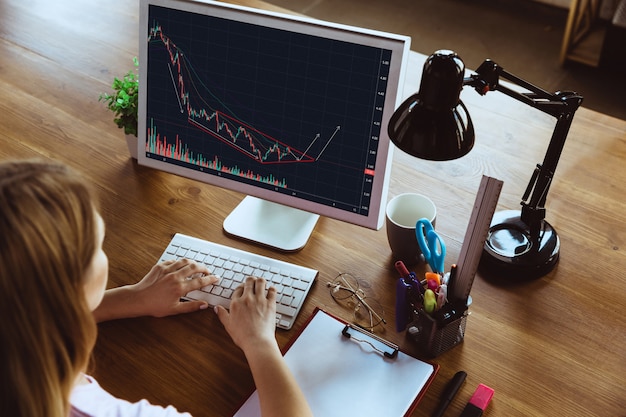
(346, 290)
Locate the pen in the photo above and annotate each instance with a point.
(403, 312)
(409, 277)
(449, 392)
(401, 268)
(416, 284)
(452, 281)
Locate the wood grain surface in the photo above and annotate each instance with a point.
(550, 347)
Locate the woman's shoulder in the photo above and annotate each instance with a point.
(91, 400)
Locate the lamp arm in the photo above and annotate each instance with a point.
(561, 105)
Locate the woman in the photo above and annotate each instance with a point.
(53, 275)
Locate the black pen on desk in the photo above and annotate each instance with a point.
(452, 280)
(449, 392)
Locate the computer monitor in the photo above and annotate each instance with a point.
(288, 110)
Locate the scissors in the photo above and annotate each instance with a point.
(431, 245)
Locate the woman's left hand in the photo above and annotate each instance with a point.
(158, 293)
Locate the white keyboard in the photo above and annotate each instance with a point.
(292, 282)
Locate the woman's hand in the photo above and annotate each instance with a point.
(158, 293)
(161, 289)
(251, 323)
(252, 317)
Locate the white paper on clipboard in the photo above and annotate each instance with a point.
(340, 376)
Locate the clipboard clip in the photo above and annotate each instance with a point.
(380, 345)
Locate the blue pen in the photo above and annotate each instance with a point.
(409, 293)
(415, 284)
(403, 310)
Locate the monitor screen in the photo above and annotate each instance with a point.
(290, 110)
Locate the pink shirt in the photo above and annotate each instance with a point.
(91, 400)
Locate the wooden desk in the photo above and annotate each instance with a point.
(554, 346)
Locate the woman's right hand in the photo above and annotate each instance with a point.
(252, 316)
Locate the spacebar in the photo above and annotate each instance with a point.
(214, 300)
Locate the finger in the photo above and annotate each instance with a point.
(271, 294)
(222, 314)
(195, 268)
(164, 268)
(184, 268)
(238, 292)
(191, 306)
(259, 287)
(248, 285)
(200, 281)
(175, 264)
(171, 266)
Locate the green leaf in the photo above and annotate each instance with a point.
(124, 100)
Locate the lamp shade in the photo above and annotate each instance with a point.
(434, 123)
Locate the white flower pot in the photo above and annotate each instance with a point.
(131, 141)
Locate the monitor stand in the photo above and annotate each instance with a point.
(271, 224)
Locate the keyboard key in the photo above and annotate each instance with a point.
(286, 310)
(301, 285)
(297, 298)
(199, 295)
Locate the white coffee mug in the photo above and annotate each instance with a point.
(403, 211)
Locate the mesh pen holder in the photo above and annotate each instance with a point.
(435, 335)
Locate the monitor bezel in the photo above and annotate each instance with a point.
(399, 45)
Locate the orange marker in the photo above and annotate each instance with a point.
(434, 276)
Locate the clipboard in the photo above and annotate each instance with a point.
(345, 370)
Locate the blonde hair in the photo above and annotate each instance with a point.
(47, 241)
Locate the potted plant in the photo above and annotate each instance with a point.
(123, 104)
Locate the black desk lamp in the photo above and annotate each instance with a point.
(435, 125)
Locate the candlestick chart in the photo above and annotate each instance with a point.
(227, 100)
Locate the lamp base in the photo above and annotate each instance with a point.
(510, 253)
